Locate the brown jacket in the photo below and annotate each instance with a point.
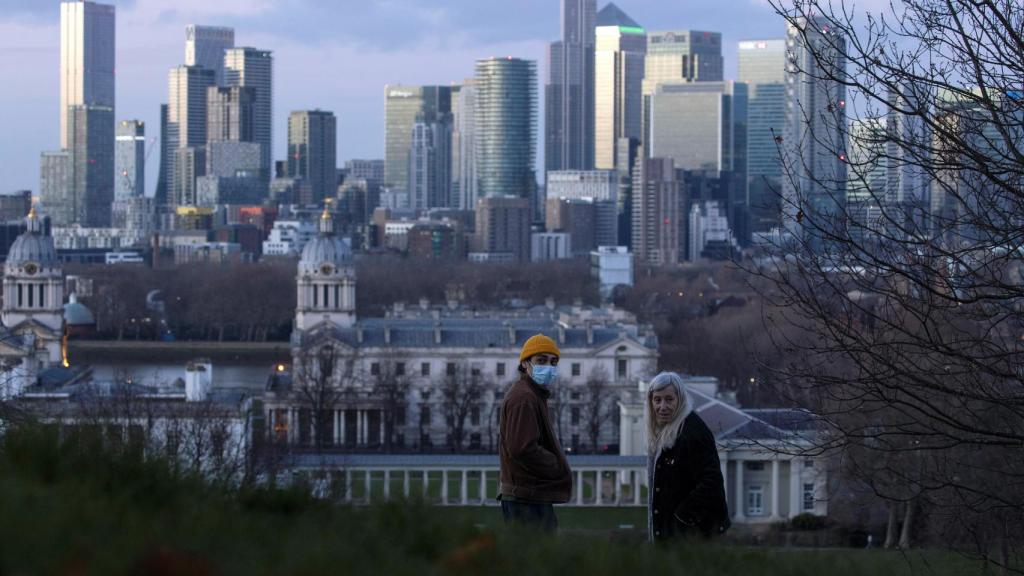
(533, 467)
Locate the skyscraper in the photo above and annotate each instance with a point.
(186, 123)
(569, 91)
(87, 40)
(230, 113)
(464, 174)
(657, 212)
(130, 159)
(430, 165)
(683, 56)
(702, 126)
(312, 151)
(502, 229)
(814, 138)
(506, 124)
(403, 106)
(249, 67)
(54, 179)
(162, 183)
(205, 46)
(679, 56)
(91, 187)
(762, 66)
(618, 76)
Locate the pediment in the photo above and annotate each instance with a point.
(625, 347)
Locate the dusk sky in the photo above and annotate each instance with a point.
(330, 55)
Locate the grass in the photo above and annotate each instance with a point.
(71, 509)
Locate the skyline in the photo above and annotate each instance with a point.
(403, 42)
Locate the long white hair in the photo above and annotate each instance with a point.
(660, 438)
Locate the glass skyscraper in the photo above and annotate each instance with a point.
(569, 91)
(618, 76)
(506, 124)
(814, 138)
(762, 65)
(186, 124)
(205, 46)
(312, 151)
(87, 40)
(403, 107)
(249, 67)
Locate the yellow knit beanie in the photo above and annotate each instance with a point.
(538, 344)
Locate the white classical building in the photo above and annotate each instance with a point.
(432, 377)
(765, 480)
(32, 316)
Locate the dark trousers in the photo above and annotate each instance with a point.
(532, 514)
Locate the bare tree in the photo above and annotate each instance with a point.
(319, 387)
(895, 291)
(599, 404)
(391, 386)
(462, 390)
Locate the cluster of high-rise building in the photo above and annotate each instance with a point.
(643, 138)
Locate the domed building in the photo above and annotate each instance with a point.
(78, 319)
(33, 307)
(326, 282)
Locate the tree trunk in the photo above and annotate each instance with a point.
(908, 522)
(890, 526)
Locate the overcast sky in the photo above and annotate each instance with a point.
(331, 54)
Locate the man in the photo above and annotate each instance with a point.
(534, 471)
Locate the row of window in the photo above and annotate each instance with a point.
(31, 296)
(451, 368)
(755, 499)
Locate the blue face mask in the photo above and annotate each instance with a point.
(544, 375)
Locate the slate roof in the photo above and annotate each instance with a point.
(473, 333)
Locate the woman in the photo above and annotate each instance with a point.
(687, 492)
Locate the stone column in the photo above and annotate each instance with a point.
(342, 427)
(795, 488)
(740, 515)
(579, 487)
(776, 489)
(463, 489)
(483, 486)
(444, 486)
(723, 461)
(382, 442)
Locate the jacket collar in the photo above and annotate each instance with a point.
(542, 391)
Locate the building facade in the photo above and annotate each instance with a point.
(403, 107)
(205, 46)
(620, 49)
(503, 228)
(250, 67)
(87, 57)
(312, 151)
(814, 138)
(186, 127)
(762, 66)
(569, 90)
(506, 127)
(130, 160)
(657, 212)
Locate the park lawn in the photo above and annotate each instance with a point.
(69, 511)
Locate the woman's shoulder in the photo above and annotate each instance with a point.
(694, 428)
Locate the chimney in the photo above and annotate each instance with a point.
(550, 303)
(511, 334)
(387, 334)
(424, 304)
(359, 333)
(590, 334)
(437, 333)
(561, 334)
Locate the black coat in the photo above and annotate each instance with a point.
(688, 491)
